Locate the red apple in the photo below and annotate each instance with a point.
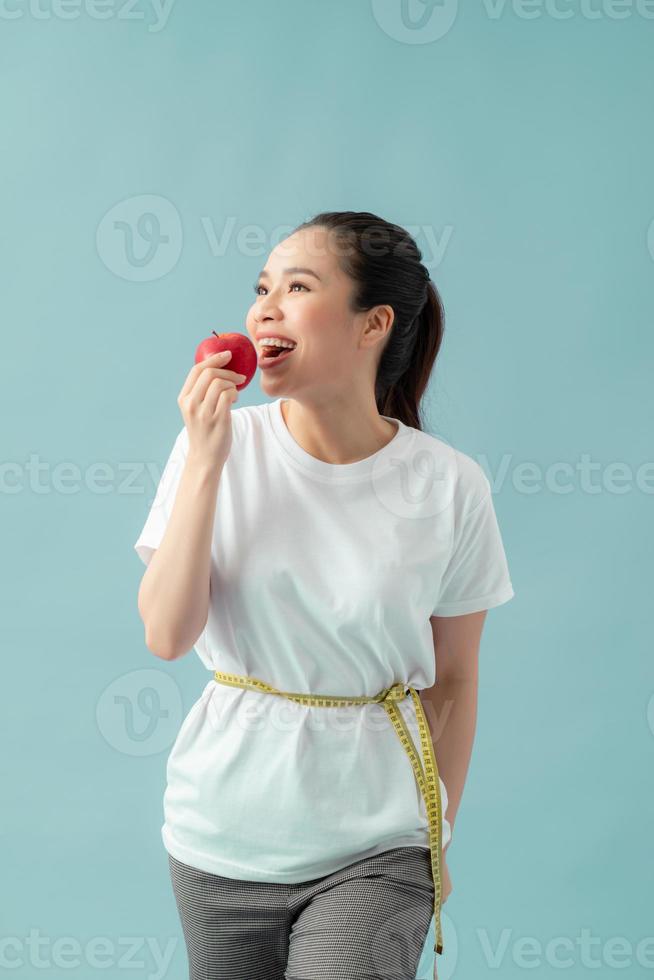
(244, 353)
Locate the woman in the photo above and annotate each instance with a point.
(320, 543)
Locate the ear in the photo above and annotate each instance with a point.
(377, 327)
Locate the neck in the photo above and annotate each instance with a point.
(334, 434)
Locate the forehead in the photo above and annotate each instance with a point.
(314, 248)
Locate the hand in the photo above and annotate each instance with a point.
(205, 403)
(446, 888)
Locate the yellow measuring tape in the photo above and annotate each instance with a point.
(427, 779)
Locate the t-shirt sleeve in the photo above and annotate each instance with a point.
(477, 574)
(157, 519)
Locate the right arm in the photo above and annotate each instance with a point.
(173, 598)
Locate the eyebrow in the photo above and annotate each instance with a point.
(294, 270)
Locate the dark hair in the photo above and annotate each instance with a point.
(386, 266)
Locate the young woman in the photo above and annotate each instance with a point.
(320, 543)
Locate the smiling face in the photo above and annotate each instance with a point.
(303, 294)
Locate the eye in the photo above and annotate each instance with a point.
(260, 286)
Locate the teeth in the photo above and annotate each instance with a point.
(276, 342)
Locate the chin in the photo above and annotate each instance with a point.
(276, 385)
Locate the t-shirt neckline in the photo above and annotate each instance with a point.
(380, 461)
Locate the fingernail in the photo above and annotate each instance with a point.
(244, 376)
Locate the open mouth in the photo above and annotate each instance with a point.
(269, 352)
(274, 354)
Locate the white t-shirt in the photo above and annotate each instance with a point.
(323, 579)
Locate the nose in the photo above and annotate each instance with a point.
(265, 311)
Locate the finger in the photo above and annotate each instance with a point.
(225, 400)
(214, 360)
(199, 390)
(204, 379)
(206, 382)
(215, 389)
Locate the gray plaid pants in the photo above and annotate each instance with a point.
(368, 921)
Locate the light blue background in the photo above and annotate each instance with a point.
(524, 143)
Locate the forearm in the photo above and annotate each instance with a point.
(173, 598)
(451, 710)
